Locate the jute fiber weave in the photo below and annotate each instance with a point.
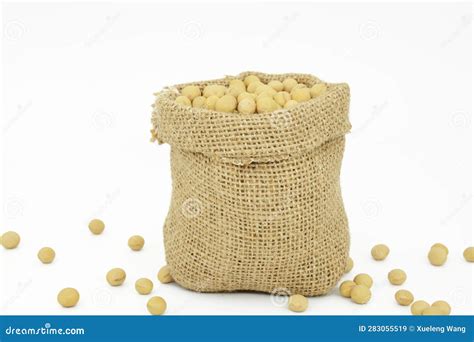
(256, 201)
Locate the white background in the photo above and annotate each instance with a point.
(77, 87)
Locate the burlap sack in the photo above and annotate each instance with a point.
(256, 201)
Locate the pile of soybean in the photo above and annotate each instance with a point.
(357, 289)
(69, 296)
(250, 95)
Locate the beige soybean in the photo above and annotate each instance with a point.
(363, 279)
(211, 102)
(277, 85)
(10, 240)
(437, 256)
(289, 83)
(404, 297)
(290, 104)
(298, 303)
(164, 275)
(250, 79)
(418, 307)
(247, 106)
(246, 95)
(156, 305)
(299, 86)
(349, 265)
(282, 97)
(214, 89)
(318, 90)
(68, 297)
(264, 94)
(183, 100)
(345, 288)
(300, 94)
(136, 242)
(252, 87)
(265, 89)
(360, 294)
(235, 90)
(443, 306)
(144, 286)
(226, 103)
(46, 255)
(191, 92)
(266, 104)
(116, 276)
(380, 252)
(96, 226)
(440, 245)
(397, 276)
(199, 102)
(432, 311)
(237, 83)
(469, 254)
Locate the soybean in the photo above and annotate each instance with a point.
(346, 287)
(363, 279)
(96, 226)
(380, 252)
(136, 242)
(156, 305)
(404, 297)
(144, 286)
(68, 297)
(46, 255)
(116, 276)
(183, 100)
(397, 276)
(164, 275)
(298, 303)
(247, 106)
(300, 94)
(10, 240)
(443, 306)
(360, 294)
(437, 256)
(226, 103)
(469, 254)
(418, 307)
(318, 90)
(191, 92)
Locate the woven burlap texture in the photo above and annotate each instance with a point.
(256, 202)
